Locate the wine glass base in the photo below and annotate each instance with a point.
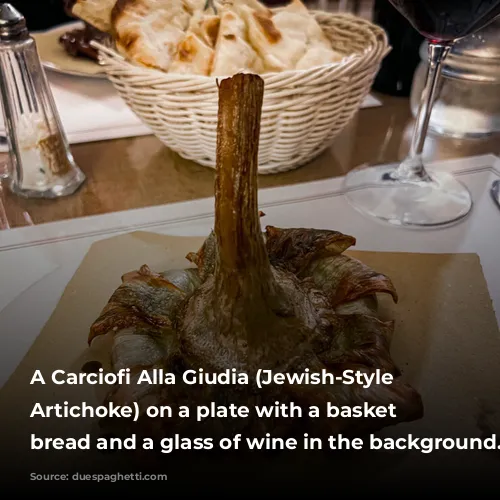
(441, 201)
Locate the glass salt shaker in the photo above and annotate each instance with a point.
(41, 164)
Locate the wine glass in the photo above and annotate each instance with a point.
(411, 195)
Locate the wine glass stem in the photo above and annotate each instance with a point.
(412, 168)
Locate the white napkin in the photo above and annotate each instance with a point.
(91, 110)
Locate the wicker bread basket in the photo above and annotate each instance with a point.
(303, 110)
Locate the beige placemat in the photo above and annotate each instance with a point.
(447, 341)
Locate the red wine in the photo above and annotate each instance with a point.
(444, 20)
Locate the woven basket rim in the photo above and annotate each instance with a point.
(359, 57)
(182, 108)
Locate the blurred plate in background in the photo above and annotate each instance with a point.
(54, 57)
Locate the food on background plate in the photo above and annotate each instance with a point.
(288, 300)
(181, 36)
(77, 42)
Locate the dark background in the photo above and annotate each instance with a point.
(42, 14)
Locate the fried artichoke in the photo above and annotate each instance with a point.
(287, 300)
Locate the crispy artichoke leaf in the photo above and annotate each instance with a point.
(289, 249)
(344, 279)
(144, 300)
(366, 305)
(205, 257)
(295, 249)
(359, 340)
(407, 401)
(186, 280)
(318, 253)
(137, 348)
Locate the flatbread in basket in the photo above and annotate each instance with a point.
(181, 36)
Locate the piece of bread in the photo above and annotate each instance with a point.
(278, 51)
(297, 22)
(97, 13)
(193, 6)
(193, 57)
(289, 39)
(181, 36)
(233, 54)
(317, 55)
(149, 31)
(205, 26)
(195, 53)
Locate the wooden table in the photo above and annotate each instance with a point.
(140, 172)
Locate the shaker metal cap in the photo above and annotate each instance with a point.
(12, 22)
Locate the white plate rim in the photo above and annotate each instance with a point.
(50, 66)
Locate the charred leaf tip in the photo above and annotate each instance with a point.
(192, 257)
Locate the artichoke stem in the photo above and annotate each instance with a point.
(242, 261)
